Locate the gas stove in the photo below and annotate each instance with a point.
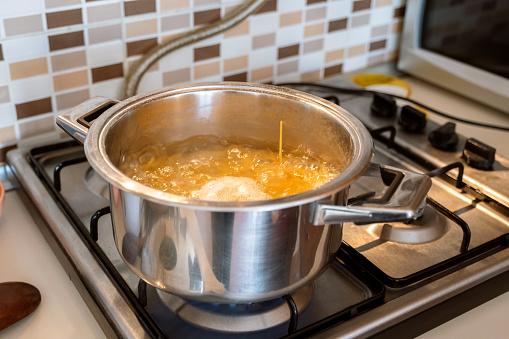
(388, 279)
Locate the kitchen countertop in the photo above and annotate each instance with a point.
(25, 255)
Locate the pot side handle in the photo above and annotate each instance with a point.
(403, 199)
(78, 120)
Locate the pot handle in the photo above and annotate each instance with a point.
(403, 199)
(78, 120)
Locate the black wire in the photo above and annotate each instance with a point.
(370, 92)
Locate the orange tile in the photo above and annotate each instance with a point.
(28, 68)
(240, 29)
(70, 80)
(7, 134)
(380, 3)
(334, 55)
(312, 30)
(289, 19)
(167, 5)
(138, 28)
(310, 76)
(207, 70)
(235, 63)
(262, 73)
(356, 50)
(397, 27)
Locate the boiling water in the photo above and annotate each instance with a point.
(212, 168)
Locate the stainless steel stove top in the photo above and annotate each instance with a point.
(380, 282)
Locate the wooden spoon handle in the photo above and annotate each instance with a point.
(17, 300)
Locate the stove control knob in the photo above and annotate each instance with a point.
(412, 119)
(478, 155)
(445, 137)
(383, 105)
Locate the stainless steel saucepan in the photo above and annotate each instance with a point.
(235, 252)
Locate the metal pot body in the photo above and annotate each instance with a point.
(226, 252)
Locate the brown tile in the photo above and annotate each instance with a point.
(234, 64)
(316, 29)
(23, 25)
(288, 67)
(316, 13)
(66, 40)
(64, 18)
(104, 12)
(207, 70)
(179, 76)
(60, 3)
(144, 27)
(4, 94)
(381, 3)
(313, 46)
(333, 70)
(377, 45)
(310, 76)
(4, 150)
(288, 51)
(236, 77)
(240, 29)
(104, 33)
(167, 5)
(140, 46)
(269, 6)
(262, 73)
(139, 7)
(34, 127)
(399, 12)
(310, 2)
(32, 108)
(289, 19)
(265, 40)
(28, 68)
(7, 134)
(360, 5)
(174, 22)
(68, 100)
(206, 17)
(70, 80)
(62, 62)
(206, 52)
(337, 25)
(334, 55)
(1, 53)
(397, 27)
(107, 72)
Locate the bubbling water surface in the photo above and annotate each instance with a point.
(227, 169)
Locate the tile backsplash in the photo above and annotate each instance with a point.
(55, 54)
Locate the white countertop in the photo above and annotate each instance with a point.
(25, 255)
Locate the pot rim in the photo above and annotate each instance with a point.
(95, 149)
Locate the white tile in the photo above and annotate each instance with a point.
(339, 9)
(355, 63)
(336, 40)
(25, 48)
(31, 88)
(4, 73)
(289, 35)
(112, 89)
(311, 62)
(9, 8)
(7, 115)
(263, 23)
(286, 6)
(180, 58)
(150, 81)
(262, 57)
(381, 16)
(359, 35)
(105, 54)
(292, 77)
(392, 43)
(236, 46)
(213, 78)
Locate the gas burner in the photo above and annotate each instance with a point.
(237, 318)
(427, 228)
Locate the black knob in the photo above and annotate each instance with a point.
(412, 119)
(478, 155)
(445, 137)
(383, 105)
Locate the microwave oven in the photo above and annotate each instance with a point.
(461, 45)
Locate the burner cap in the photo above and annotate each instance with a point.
(431, 226)
(236, 318)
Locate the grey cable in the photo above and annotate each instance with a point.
(135, 74)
